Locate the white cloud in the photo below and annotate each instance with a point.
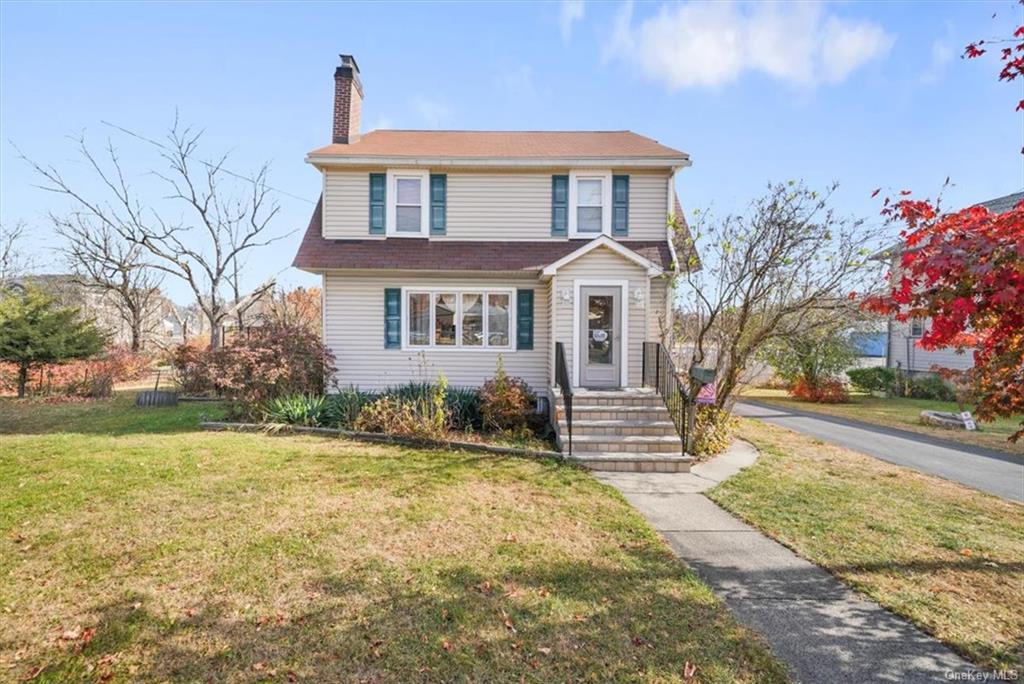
(711, 44)
(570, 12)
(433, 113)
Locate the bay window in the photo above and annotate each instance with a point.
(458, 319)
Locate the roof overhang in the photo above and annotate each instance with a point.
(652, 268)
(674, 163)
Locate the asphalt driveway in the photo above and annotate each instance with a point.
(985, 469)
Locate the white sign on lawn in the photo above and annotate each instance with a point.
(968, 420)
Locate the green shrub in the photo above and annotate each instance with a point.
(930, 387)
(296, 409)
(506, 402)
(874, 379)
(343, 407)
(714, 430)
(463, 407)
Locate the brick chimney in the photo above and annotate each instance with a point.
(348, 101)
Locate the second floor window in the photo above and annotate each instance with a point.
(408, 203)
(589, 200)
(916, 328)
(408, 210)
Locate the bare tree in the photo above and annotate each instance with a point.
(766, 274)
(227, 222)
(13, 260)
(101, 260)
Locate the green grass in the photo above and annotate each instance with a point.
(903, 413)
(133, 547)
(949, 558)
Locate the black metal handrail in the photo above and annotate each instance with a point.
(562, 382)
(660, 373)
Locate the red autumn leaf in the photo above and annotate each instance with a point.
(875, 193)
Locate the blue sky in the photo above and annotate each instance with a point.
(868, 95)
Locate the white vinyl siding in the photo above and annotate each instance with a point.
(602, 263)
(903, 350)
(346, 208)
(491, 206)
(354, 332)
(648, 206)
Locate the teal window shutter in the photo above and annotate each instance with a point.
(377, 195)
(392, 317)
(438, 203)
(559, 206)
(620, 206)
(524, 319)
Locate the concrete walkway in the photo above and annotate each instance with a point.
(824, 631)
(985, 469)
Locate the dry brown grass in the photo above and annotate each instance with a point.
(949, 558)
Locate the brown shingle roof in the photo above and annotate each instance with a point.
(317, 253)
(504, 144)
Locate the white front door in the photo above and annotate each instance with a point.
(600, 338)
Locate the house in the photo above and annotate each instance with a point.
(441, 251)
(903, 351)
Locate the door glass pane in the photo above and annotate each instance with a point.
(588, 219)
(497, 320)
(407, 219)
(472, 320)
(444, 319)
(419, 319)
(600, 314)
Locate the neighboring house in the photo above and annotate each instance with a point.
(903, 351)
(440, 251)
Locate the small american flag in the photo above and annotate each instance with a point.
(706, 394)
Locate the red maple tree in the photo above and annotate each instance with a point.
(1011, 54)
(965, 271)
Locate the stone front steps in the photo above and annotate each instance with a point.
(621, 430)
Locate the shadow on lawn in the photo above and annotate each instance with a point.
(546, 621)
(116, 416)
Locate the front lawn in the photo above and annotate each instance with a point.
(133, 547)
(949, 558)
(903, 413)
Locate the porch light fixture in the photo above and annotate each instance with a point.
(638, 297)
(565, 294)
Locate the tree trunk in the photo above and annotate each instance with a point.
(136, 328)
(22, 379)
(215, 331)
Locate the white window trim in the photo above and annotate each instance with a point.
(624, 307)
(390, 212)
(605, 176)
(459, 290)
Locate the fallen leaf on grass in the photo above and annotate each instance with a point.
(510, 537)
(446, 645)
(966, 553)
(689, 670)
(543, 650)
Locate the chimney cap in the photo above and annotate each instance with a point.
(349, 61)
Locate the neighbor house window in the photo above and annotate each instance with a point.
(590, 197)
(916, 328)
(408, 203)
(468, 319)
